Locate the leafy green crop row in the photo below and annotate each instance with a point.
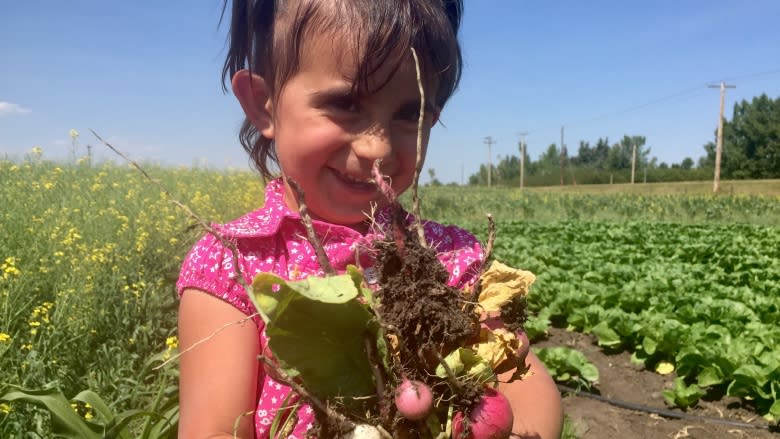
(705, 298)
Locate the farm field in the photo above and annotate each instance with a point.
(89, 255)
(727, 188)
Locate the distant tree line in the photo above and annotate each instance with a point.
(751, 150)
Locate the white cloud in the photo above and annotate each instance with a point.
(7, 108)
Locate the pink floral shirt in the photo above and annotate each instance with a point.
(272, 239)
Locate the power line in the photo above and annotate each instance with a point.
(685, 93)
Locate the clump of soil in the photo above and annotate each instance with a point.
(515, 313)
(415, 299)
(424, 316)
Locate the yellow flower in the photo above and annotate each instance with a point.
(8, 268)
(73, 134)
(172, 342)
(4, 338)
(5, 408)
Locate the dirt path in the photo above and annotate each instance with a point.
(622, 380)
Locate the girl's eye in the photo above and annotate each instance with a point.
(345, 104)
(410, 112)
(409, 115)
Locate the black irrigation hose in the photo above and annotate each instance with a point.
(663, 412)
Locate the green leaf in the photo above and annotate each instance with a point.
(464, 361)
(65, 421)
(682, 395)
(710, 376)
(774, 412)
(748, 380)
(118, 428)
(649, 344)
(317, 332)
(536, 326)
(357, 279)
(566, 363)
(97, 403)
(607, 337)
(638, 358)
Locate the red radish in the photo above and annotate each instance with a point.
(414, 400)
(492, 418)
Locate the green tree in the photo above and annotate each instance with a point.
(433, 180)
(751, 140)
(708, 160)
(549, 161)
(508, 171)
(620, 153)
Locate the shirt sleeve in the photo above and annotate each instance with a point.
(209, 267)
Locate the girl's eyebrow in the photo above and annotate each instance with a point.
(333, 93)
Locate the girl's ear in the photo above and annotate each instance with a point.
(253, 94)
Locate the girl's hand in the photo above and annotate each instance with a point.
(535, 401)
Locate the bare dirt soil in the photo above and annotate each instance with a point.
(622, 380)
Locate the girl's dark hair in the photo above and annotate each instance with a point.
(268, 36)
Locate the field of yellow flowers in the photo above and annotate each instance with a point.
(88, 259)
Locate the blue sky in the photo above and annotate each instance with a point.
(146, 76)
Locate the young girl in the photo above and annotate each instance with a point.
(328, 87)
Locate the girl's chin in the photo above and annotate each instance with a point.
(353, 217)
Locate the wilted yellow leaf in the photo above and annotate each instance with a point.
(664, 368)
(496, 345)
(501, 283)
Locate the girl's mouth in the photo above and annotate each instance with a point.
(354, 183)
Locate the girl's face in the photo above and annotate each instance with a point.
(327, 138)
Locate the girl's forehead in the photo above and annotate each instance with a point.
(341, 52)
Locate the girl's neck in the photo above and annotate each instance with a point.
(291, 200)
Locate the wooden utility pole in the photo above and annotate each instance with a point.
(563, 154)
(633, 163)
(489, 142)
(522, 159)
(719, 147)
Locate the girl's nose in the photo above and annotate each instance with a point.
(372, 144)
